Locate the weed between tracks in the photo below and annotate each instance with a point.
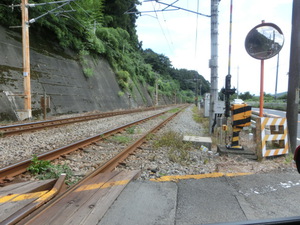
(174, 110)
(178, 149)
(130, 130)
(44, 169)
(120, 139)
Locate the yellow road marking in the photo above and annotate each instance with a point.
(42, 195)
(101, 185)
(198, 176)
(48, 195)
(21, 197)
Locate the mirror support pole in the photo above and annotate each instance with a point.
(261, 99)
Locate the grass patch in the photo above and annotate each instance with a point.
(175, 110)
(198, 117)
(121, 93)
(120, 139)
(88, 72)
(150, 136)
(130, 130)
(178, 150)
(289, 158)
(44, 169)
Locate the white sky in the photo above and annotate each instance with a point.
(173, 34)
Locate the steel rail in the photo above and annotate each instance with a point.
(26, 127)
(31, 207)
(108, 166)
(20, 167)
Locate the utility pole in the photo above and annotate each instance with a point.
(26, 59)
(213, 63)
(196, 91)
(27, 112)
(156, 91)
(293, 83)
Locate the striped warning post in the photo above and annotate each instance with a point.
(241, 117)
(278, 134)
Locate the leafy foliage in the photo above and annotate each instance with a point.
(103, 28)
(38, 166)
(246, 96)
(45, 170)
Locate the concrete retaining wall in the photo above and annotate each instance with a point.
(59, 75)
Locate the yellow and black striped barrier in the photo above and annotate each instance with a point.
(241, 117)
(272, 134)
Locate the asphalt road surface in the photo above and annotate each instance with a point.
(210, 200)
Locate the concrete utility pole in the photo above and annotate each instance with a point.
(26, 59)
(213, 63)
(294, 72)
(27, 112)
(156, 93)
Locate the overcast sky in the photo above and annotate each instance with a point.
(184, 38)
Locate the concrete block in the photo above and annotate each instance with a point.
(23, 115)
(198, 141)
(245, 152)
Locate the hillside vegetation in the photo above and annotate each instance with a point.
(101, 28)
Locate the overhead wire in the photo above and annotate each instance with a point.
(197, 20)
(74, 19)
(154, 9)
(168, 31)
(82, 9)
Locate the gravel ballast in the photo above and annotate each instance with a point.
(153, 160)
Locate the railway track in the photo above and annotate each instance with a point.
(28, 127)
(105, 168)
(21, 166)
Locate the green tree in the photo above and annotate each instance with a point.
(159, 62)
(246, 96)
(115, 16)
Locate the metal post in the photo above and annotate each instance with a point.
(213, 61)
(26, 58)
(196, 92)
(45, 106)
(277, 67)
(293, 83)
(261, 99)
(129, 99)
(156, 92)
(237, 82)
(175, 97)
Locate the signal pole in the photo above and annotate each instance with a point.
(26, 59)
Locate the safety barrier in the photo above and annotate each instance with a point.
(272, 136)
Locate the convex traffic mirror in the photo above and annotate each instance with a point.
(264, 41)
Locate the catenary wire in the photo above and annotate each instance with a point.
(197, 20)
(161, 27)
